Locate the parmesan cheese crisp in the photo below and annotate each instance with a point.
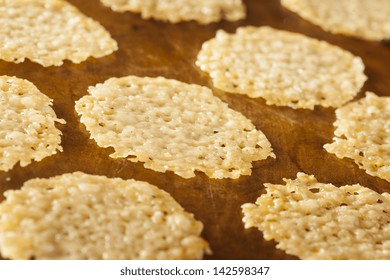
(365, 19)
(170, 125)
(284, 68)
(80, 216)
(313, 220)
(362, 134)
(27, 124)
(50, 31)
(202, 11)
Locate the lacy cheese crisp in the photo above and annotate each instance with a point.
(27, 124)
(314, 220)
(81, 216)
(284, 68)
(362, 134)
(171, 125)
(50, 31)
(365, 19)
(202, 11)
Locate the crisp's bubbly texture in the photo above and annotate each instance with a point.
(81, 216)
(362, 134)
(202, 11)
(27, 124)
(365, 19)
(314, 220)
(50, 31)
(171, 125)
(284, 68)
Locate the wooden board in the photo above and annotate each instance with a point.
(153, 48)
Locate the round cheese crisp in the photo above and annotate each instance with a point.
(313, 220)
(80, 216)
(27, 124)
(171, 125)
(48, 32)
(362, 134)
(202, 11)
(366, 19)
(284, 68)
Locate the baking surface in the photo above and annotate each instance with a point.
(153, 48)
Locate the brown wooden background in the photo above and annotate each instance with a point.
(153, 48)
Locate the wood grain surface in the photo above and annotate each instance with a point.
(153, 48)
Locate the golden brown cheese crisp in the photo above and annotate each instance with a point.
(314, 220)
(284, 68)
(171, 125)
(362, 134)
(27, 124)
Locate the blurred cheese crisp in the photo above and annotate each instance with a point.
(50, 31)
(202, 11)
(365, 19)
(81, 216)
